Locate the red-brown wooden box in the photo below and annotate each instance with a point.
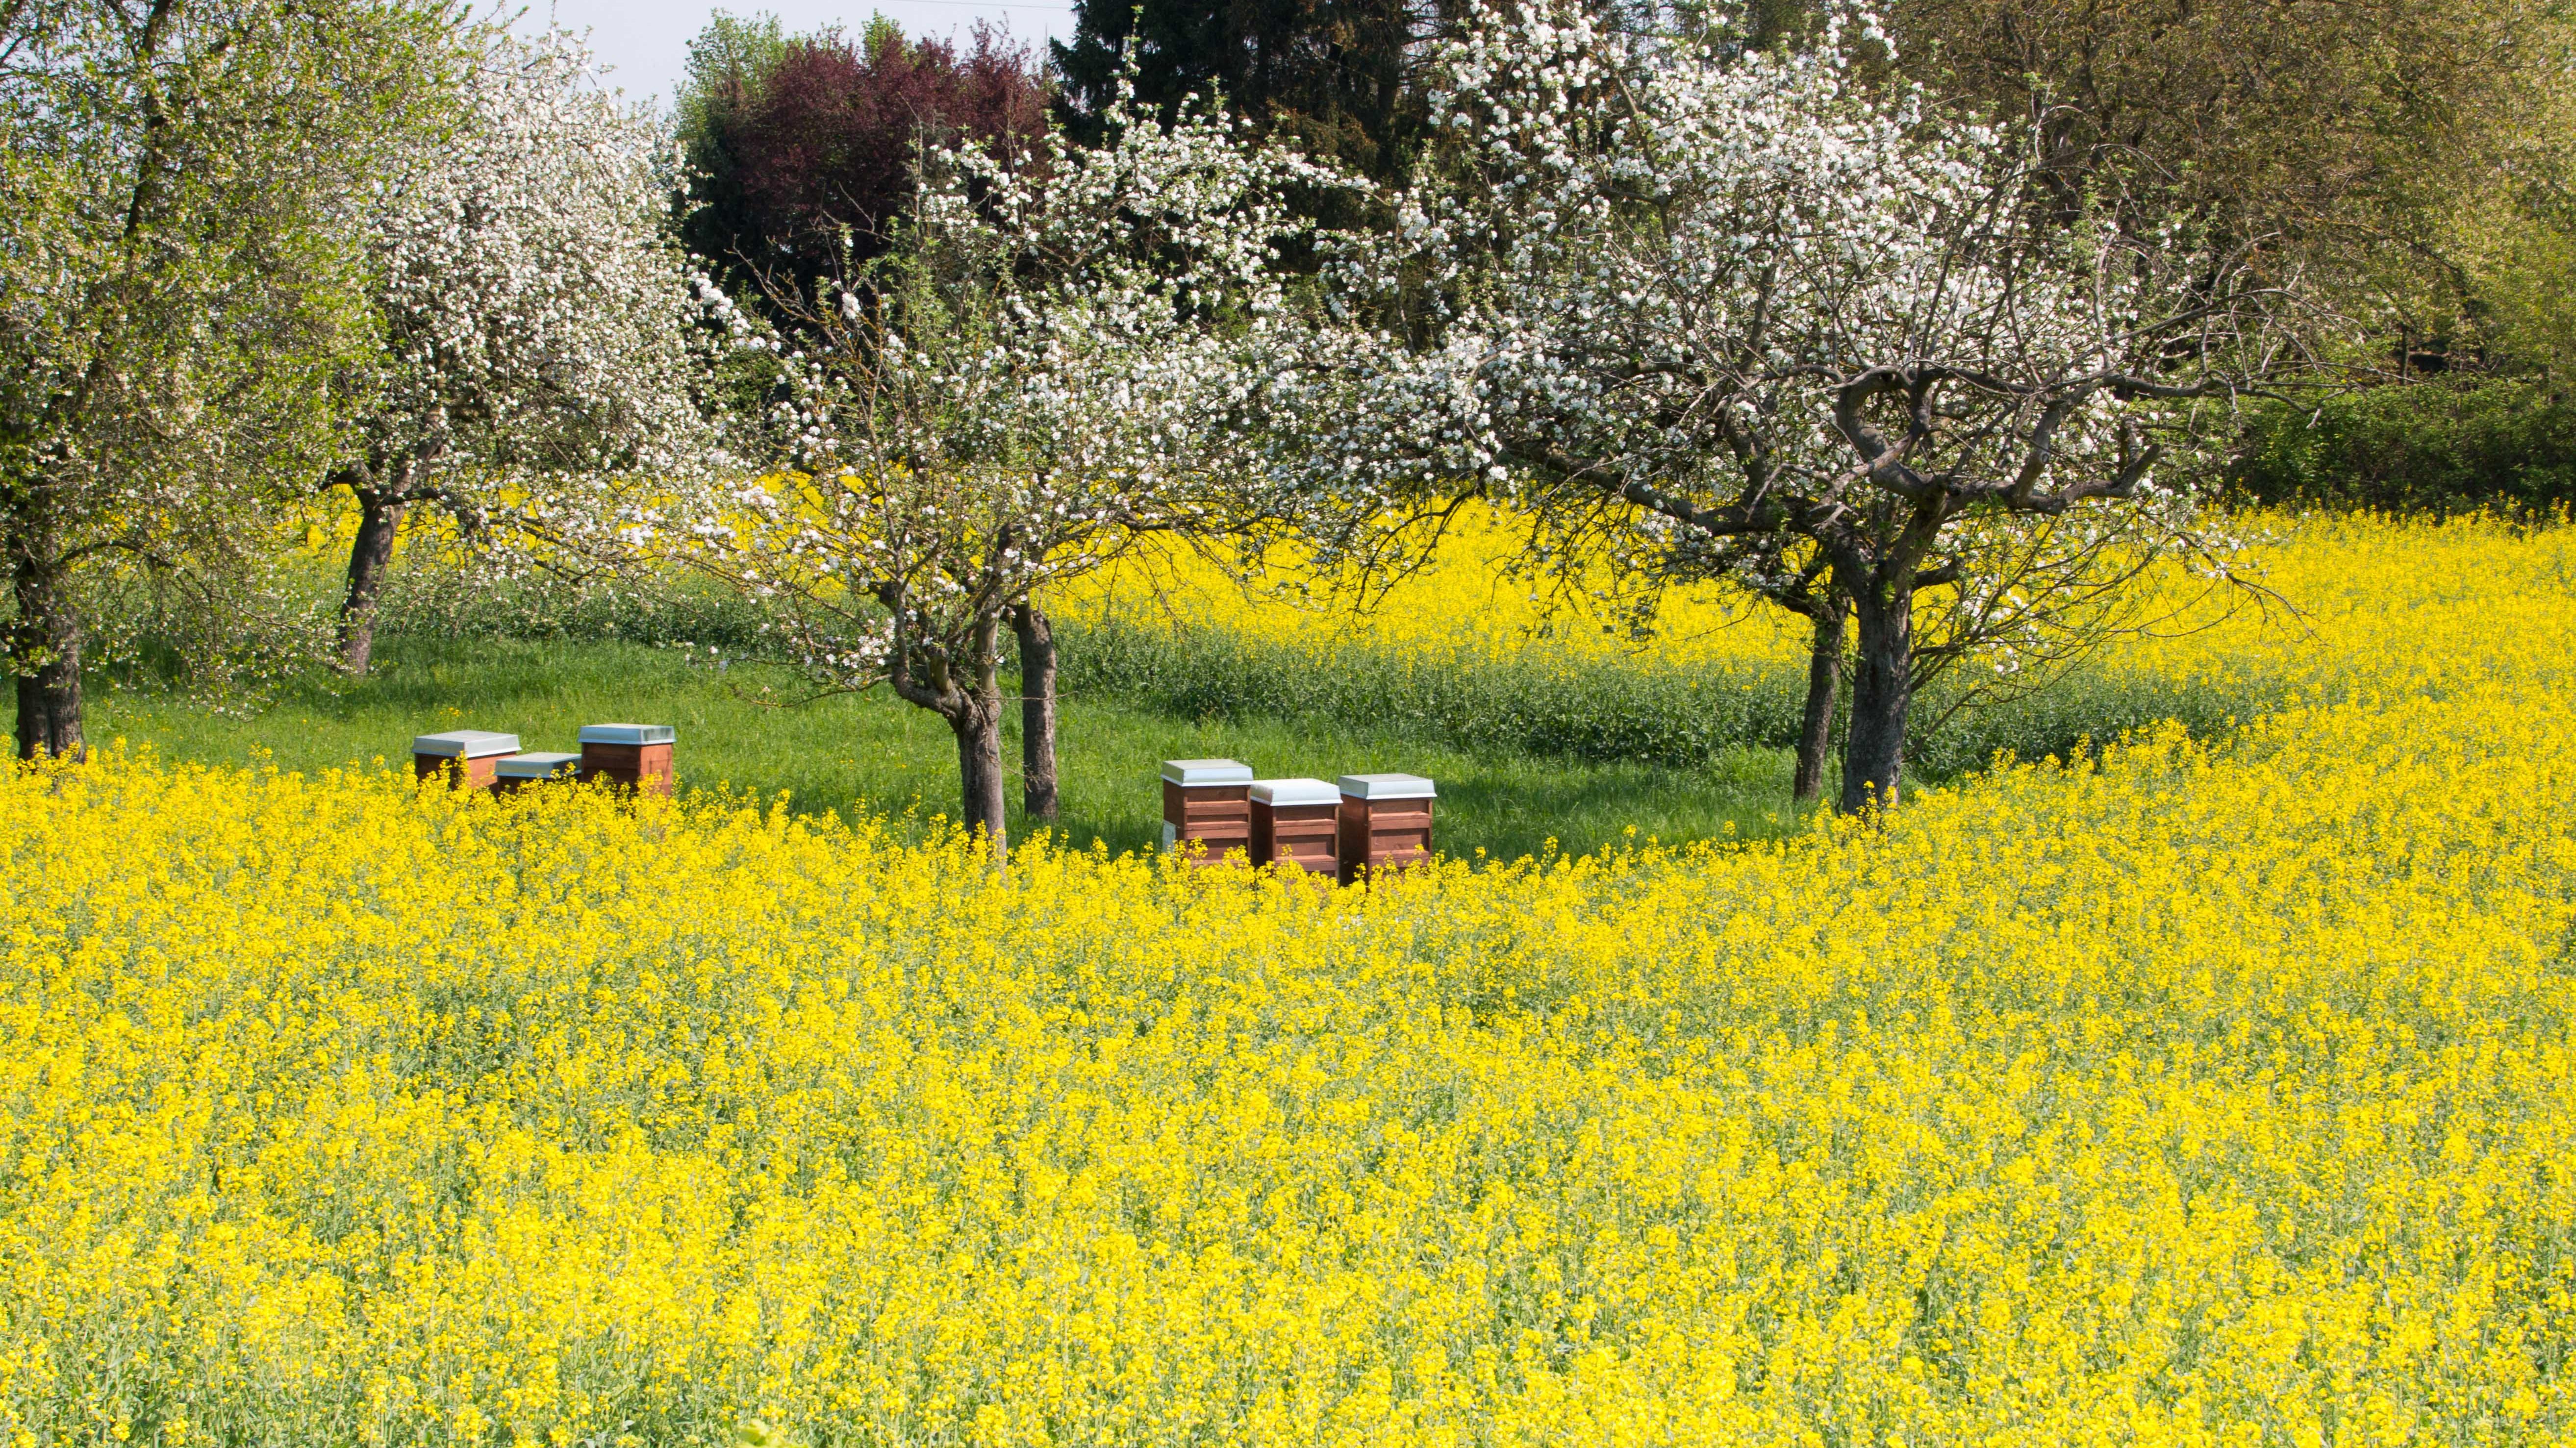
(635, 755)
(1385, 823)
(1209, 801)
(1296, 822)
(465, 755)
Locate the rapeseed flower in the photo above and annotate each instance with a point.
(2208, 1092)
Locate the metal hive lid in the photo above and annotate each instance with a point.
(629, 734)
(1187, 772)
(1295, 791)
(465, 744)
(1387, 786)
(535, 765)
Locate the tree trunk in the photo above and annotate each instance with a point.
(977, 720)
(978, 727)
(44, 654)
(1882, 690)
(1037, 711)
(1824, 683)
(380, 516)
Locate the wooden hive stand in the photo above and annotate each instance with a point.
(1296, 822)
(635, 755)
(521, 770)
(1210, 801)
(465, 756)
(1385, 823)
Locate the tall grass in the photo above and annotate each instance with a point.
(1638, 710)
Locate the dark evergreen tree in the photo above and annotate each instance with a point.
(1334, 76)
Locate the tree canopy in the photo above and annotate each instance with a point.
(183, 294)
(800, 143)
(1685, 302)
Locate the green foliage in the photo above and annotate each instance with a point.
(184, 293)
(2433, 447)
(1599, 711)
(730, 63)
(656, 610)
(2077, 713)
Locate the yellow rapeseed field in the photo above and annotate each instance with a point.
(2219, 1093)
(2335, 599)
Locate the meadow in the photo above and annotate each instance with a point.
(874, 757)
(2209, 1087)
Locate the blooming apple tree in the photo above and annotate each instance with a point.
(1051, 365)
(1712, 309)
(543, 335)
(176, 298)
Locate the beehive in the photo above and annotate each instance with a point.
(472, 753)
(1210, 801)
(520, 770)
(1296, 822)
(1385, 823)
(635, 755)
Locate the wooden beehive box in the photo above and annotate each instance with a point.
(466, 756)
(1210, 801)
(521, 770)
(1296, 822)
(1385, 823)
(635, 755)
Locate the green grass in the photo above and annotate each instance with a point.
(1684, 719)
(896, 759)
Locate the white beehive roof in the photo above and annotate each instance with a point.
(1387, 786)
(1295, 791)
(629, 734)
(1186, 772)
(465, 744)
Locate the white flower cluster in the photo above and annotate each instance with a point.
(1698, 307)
(1048, 369)
(543, 334)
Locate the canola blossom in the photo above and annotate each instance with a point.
(2213, 1092)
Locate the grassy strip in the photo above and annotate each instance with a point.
(1626, 711)
(837, 754)
(1619, 710)
(1529, 749)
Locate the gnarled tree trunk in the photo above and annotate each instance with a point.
(972, 705)
(1824, 686)
(1037, 711)
(1882, 692)
(44, 654)
(978, 727)
(380, 516)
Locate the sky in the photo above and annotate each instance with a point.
(647, 41)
